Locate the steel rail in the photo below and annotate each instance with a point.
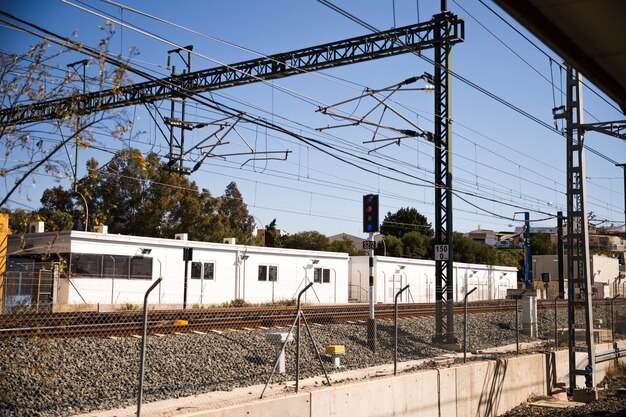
(115, 324)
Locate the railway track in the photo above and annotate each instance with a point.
(128, 323)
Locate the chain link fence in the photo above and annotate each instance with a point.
(70, 362)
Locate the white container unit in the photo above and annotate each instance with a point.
(118, 269)
(391, 274)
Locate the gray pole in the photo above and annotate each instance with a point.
(371, 322)
(465, 323)
(517, 325)
(143, 343)
(298, 336)
(612, 319)
(185, 285)
(112, 281)
(556, 332)
(559, 234)
(624, 166)
(395, 326)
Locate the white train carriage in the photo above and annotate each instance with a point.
(391, 274)
(101, 269)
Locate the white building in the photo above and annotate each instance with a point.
(101, 268)
(606, 277)
(391, 274)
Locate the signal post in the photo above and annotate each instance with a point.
(370, 225)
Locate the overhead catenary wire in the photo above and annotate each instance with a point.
(469, 82)
(544, 52)
(115, 3)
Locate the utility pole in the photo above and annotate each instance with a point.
(528, 272)
(82, 63)
(578, 269)
(177, 146)
(444, 272)
(371, 226)
(624, 167)
(559, 245)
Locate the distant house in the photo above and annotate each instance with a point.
(484, 236)
(357, 241)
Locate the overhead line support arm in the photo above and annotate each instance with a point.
(359, 49)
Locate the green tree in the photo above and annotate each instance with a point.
(20, 219)
(469, 251)
(405, 220)
(541, 244)
(134, 194)
(240, 222)
(344, 245)
(395, 247)
(272, 240)
(31, 78)
(310, 240)
(415, 245)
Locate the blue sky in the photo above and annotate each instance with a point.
(500, 157)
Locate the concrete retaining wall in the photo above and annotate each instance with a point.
(484, 389)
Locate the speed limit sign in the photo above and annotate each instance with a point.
(441, 252)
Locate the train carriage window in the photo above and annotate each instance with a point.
(140, 268)
(321, 275)
(86, 265)
(115, 266)
(273, 273)
(268, 273)
(196, 270)
(92, 265)
(262, 272)
(209, 270)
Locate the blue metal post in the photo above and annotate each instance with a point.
(528, 276)
(528, 273)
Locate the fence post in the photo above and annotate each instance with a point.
(517, 324)
(465, 323)
(143, 343)
(556, 326)
(298, 336)
(613, 319)
(395, 325)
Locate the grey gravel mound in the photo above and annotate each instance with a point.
(609, 404)
(60, 377)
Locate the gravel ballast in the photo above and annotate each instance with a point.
(60, 377)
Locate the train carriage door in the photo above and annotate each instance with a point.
(394, 283)
(196, 274)
(204, 272)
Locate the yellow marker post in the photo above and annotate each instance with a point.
(335, 352)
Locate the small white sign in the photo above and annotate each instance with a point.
(441, 252)
(369, 244)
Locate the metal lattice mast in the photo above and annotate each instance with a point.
(579, 278)
(378, 45)
(177, 144)
(444, 296)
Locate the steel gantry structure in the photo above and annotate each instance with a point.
(350, 51)
(444, 291)
(579, 279)
(440, 33)
(580, 309)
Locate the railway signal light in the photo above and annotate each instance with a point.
(370, 213)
